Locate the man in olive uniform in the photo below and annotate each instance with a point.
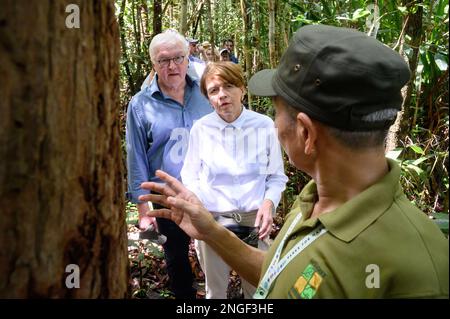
(352, 233)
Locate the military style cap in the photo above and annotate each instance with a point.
(336, 76)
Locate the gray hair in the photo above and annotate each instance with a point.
(360, 139)
(169, 36)
(366, 139)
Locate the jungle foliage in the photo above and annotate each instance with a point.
(261, 30)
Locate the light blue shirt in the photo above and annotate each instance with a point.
(234, 166)
(157, 133)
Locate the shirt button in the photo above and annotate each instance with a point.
(235, 180)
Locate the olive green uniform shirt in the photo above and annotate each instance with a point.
(377, 245)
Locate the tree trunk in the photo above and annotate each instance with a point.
(61, 190)
(126, 63)
(257, 63)
(157, 17)
(212, 34)
(246, 19)
(183, 17)
(406, 118)
(272, 46)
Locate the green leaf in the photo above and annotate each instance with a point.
(403, 10)
(415, 168)
(394, 154)
(343, 18)
(416, 148)
(442, 224)
(440, 61)
(360, 13)
(420, 160)
(440, 215)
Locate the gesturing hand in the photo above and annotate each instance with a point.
(184, 208)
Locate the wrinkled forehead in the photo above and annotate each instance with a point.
(168, 50)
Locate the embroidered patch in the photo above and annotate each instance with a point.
(308, 283)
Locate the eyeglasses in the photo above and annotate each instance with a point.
(165, 62)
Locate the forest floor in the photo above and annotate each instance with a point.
(148, 275)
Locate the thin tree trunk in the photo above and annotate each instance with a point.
(256, 38)
(146, 20)
(272, 45)
(183, 17)
(246, 19)
(136, 31)
(61, 190)
(196, 17)
(131, 85)
(157, 17)
(413, 28)
(212, 34)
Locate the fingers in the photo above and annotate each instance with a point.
(158, 188)
(266, 227)
(155, 224)
(181, 204)
(161, 213)
(258, 220)
(145, 221)
(175, 185)
(155, 198)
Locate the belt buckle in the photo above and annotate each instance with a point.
(237, 217)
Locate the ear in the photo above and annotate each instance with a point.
(308, 132)
(243, 93)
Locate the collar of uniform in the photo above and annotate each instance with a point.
(237, 123)
(353, 217)
(304, 204)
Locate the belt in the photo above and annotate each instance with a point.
(236, 217)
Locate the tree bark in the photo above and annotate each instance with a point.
(246, 19)
(272, 46)
(61, 190)
(210, 26)
(157, 17)
(126, 63)
(406, 119)
(183, 17)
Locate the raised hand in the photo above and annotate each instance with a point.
(183, 207)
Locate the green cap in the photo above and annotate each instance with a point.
(336, 76)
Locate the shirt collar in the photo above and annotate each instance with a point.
(154, 90)
(354, 216)
(237, 123)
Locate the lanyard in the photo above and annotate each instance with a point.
(276, 265)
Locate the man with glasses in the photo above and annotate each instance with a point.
(159, 119)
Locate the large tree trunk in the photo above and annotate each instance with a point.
(61, 189)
